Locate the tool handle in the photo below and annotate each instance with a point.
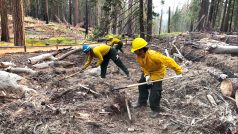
(143, 83)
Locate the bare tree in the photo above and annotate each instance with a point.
(46, 12)
(76, 10)
(149, 19)
(4, 22)
(129, 28)
(203, 14)
(169, 21)
(141, 19)
(18, 23)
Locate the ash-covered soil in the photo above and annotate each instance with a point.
(65, 107)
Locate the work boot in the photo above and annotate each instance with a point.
(138, 105)
(154, 114)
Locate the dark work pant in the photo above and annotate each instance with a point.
(112, 54)
(154, 96)
(119, 46)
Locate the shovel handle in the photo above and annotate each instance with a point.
(69, 76)
(143, 83)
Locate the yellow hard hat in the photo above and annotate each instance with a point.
(110, 36)
(137, 44)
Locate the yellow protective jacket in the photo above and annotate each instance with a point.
(154, 64)
(114, 41)
(97, 52)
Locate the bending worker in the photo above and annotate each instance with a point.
(113, 41)
(104, 53)
(154, 66)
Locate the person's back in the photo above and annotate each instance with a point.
(155, 63)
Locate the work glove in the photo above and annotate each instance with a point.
(179, 76)
(147, 79)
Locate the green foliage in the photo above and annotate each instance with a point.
(53, 41)
(182, 18)
(96, 34)
(60, 40)
(171, 34)
(194, 9)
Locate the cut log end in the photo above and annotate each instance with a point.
(229, 86)
(226, 87)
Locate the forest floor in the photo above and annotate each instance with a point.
(64, 107)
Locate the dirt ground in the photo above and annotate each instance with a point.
(64, 107)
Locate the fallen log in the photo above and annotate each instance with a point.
(72, 52)
(20, 70)
(44, 64)
(42, 57)
(64, 64)
(69, 53)
(10, 82)
(231, 39)
(223, 49)
(6, 64)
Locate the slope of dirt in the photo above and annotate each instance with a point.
(65, 107)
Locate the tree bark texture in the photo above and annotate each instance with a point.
(4, 21)
(169, 21)
(149, 20)
(129, 27)
(141, 20)
(18, 23)
(203, 12)
(46, 12)
(76, 10)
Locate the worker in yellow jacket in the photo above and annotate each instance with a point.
(154, 66)
(104, 53)
(113, 41)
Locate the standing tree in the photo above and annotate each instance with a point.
(222, 28)
(149, 20)
(202, 15)
(70, 12)
(141, 20)
(161, 17)
(160, 22)
(4, 21)
(46, 12)
(169, 21)
(86, 19)
(129, 27)
(76, 10)
(228, 16)
(18, 22)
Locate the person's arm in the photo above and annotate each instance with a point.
(87, 63)
(169, 62)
